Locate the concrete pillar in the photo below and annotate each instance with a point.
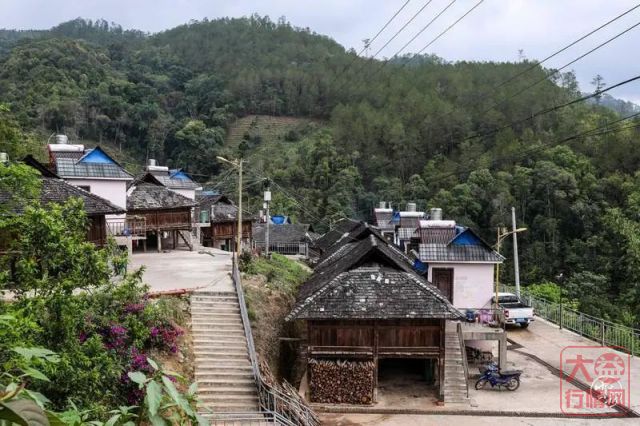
(502, 350)
(159, 241)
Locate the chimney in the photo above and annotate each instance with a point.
(435, 214)
(382, 204)
(151, 162)
(62, 139)
(4, 158)
(411, 207)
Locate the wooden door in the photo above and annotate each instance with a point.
(443, 279)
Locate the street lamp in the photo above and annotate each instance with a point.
(502, 234)
(238, 165)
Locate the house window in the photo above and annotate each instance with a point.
(85, 187)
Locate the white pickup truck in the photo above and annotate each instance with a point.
(515, 312)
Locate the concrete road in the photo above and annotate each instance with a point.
(546, 341)
(443, 420)
(178, 269)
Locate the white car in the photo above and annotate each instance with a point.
(514, 310)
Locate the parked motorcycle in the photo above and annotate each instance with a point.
(492, 374)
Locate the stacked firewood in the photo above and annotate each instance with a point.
(346, 382)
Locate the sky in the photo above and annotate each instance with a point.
(495, 31)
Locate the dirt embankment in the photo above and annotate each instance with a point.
(274, 338)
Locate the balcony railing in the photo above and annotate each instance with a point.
(135, 226)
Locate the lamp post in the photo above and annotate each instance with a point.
(502, 234)
(238, 165)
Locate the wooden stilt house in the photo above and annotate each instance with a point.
(362, 305)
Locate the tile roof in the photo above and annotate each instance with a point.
(146, 196)
(174, 179)
(58, 191)
(285, 233)
(339, 229)
(375, 292)
(370, 249)
(94, 163)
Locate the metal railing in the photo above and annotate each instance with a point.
(490, 317)
(463, 352)
(606, 333)
(284, 248)
(275, 405)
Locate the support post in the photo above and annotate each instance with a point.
(239, 243)
(266, 234)
(602, 332)
(516, 266)
(159, 233)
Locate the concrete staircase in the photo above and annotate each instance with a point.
(222, 366)
(455, 381)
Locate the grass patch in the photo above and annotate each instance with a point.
(281, 273)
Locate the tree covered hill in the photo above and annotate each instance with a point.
(411, 129)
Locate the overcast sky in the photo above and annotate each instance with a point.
(496, 30)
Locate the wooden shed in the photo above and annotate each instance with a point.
(364, 305)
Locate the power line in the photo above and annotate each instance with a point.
(386, 44)
(370, 41)
(403, 27)
(556, 71)
(538, 63)
(449, 27)
(384, 63)
(551, 109)
(498, 160)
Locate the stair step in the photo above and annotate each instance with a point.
(233, 408)
(221, 357)
(229, 390)
(224, 368)
(221, 398)
(222, 376)
(221, 352)
(242, 381)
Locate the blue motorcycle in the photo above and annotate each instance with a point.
(492, 374)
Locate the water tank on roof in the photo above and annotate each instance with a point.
(4, 158)
(151, 162)
(436, 214)
(411, 207)
(62, 139)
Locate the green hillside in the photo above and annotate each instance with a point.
(345, 132)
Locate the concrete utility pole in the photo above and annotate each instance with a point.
(502, 234)
(238, 165)
(267, 201)
(516, 265)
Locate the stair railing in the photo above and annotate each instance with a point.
(463, 351)
(276, 405)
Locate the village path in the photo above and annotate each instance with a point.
(185, 270)
(546, 340)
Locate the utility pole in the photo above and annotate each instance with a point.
(498, 243)
(239, 244)
(267, 201)
(516, 265)
(238, 165)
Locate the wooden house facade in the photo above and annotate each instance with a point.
(364, 304)
(54, 190)
(221, 216)
(164, 214)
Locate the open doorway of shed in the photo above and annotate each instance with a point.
(407, 383)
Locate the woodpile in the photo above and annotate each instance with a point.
(341, 382)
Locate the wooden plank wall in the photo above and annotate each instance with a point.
(381, 337)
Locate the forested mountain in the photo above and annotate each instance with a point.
(412, 129)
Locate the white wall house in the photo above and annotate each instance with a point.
(458, 262)
(91, 169)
